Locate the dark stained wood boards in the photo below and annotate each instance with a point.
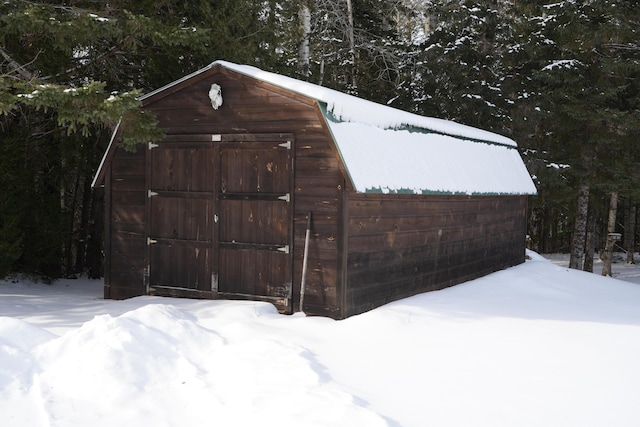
(218, 209)
(400, 245)
(255, 201)
(180, 215)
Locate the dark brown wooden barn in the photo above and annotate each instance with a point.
(400, 204)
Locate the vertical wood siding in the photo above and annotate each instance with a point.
(125, 242)
(249, 106)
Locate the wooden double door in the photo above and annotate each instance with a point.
(219, 216)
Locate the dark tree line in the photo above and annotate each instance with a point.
(561, 78)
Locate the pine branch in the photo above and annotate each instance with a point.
(17, 68)
(109, 52)
(628, 46)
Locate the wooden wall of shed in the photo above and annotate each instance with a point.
(402, 245)
(125, 242)
(251, 106)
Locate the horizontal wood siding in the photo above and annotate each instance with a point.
(251, 107)
(401, 245)
(126, 241)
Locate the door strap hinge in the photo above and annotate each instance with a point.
(150, 241)
(286, 145)
(284, 249)
(152, 145)
(286, 197)
(151, 193)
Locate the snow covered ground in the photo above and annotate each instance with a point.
(534, 345)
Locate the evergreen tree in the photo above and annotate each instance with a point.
(68, 73)
(459, 70)
(582, 65)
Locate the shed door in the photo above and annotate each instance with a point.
(181, 215)
(254, 240)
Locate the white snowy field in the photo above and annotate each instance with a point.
(534, 345)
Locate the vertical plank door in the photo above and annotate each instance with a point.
(254, 197)
(181, 214)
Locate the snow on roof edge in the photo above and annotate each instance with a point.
(175, 82)
(349, 108)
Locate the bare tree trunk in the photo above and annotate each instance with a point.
(304, 15)
(352, 43)
(321, 72)
(611, 228)
(630, 231)
(590, 246)
(580, 228)
(71, 204)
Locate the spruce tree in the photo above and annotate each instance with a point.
(581, 66)
(459, 70)
(68, 74)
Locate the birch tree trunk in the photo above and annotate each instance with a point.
(304, 54)
(611, 227)
(580, 228)
(352, 43)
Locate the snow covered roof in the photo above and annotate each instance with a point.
(388, 150)
(392, 151)
(401, 161)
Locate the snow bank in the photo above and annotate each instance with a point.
(158, 366)
(533, 345)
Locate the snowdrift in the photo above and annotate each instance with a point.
(537, 344)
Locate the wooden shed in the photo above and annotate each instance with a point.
(400, 203)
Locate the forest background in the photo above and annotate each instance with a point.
(561, 78)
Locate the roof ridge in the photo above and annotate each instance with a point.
(344, 107)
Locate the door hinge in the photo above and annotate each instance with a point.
(150, 241)
(151, 193)
(286, 197)
(284, 249)
(152, 145)
(286, 145)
